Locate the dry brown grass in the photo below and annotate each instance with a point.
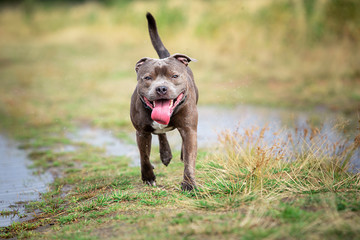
(284, 162)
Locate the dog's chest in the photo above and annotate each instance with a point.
(160, 128)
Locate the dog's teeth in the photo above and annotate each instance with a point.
(171, 103)
(154, 103)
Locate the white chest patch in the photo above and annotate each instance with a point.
(160, 128)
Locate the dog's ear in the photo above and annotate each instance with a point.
(139, 63)
(183, 58)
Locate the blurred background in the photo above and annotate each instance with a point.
(65, 61)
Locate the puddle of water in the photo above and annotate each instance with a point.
(213, 120)
(18, 183)
(105, 139)
(279, 123)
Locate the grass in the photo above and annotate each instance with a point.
(245, 188)
(58, 73)
(8, 212)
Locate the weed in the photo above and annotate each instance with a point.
(119, 196)
(8, 212)
(68, 218)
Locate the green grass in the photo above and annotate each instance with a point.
(58, 73)
(243, 190)
(8, 212)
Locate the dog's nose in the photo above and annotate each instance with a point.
(161, 90)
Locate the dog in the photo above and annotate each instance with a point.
(165, 99)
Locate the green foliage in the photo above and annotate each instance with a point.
(120, 196)
(68, 218)
(289, 213)
(343, 18)
(315, 20)
(174, 17)
(183, 218)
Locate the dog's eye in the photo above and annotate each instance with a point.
(147, 78)
(175, 76)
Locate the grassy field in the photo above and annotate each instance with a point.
(64, 66)
(248, 190)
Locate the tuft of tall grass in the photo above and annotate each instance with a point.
(256, 164)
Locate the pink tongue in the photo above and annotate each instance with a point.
(161, 112)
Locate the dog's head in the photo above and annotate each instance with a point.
(163, 84)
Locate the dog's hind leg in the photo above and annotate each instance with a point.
(165, 151)
(182, 152)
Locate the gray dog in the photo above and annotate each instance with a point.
(165, 98)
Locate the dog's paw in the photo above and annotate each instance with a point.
(166, 160)
(150, 183)
(147, 175)
(187, 186)
(165, 157)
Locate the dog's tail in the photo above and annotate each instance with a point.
(155, 38)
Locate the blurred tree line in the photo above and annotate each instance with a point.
(50, 2)
(57, 2)
(312, 20)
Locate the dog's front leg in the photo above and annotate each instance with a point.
(144, 144)
(165, 151)
(189, 150)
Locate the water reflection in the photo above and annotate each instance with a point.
(213, 120)
(18, 183)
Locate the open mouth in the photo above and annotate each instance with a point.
(162, 109)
